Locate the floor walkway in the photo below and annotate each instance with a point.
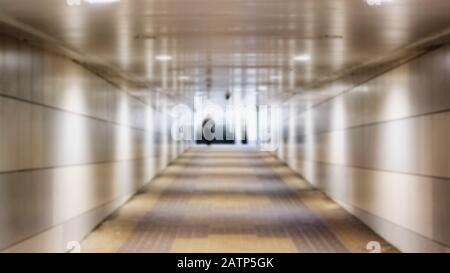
(230, 200)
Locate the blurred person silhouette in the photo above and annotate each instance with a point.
(208, 130)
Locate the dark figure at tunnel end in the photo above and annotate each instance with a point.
(208, 130)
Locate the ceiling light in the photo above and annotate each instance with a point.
(262, 88)
(377, 2)
(100, 1)
(164, 58)
(302, 58)
(90, 2)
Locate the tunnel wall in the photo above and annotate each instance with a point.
(382, 150)
(73, 148)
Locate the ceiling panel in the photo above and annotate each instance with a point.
(213, 43)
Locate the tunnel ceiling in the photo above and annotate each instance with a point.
(220, 45)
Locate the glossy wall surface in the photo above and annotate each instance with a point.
(73, 148)
(382, 150)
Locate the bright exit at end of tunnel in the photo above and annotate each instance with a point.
(225, 135)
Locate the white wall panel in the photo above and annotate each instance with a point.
(381, 149)
(73, 148)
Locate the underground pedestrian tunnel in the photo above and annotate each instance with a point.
(185, 126)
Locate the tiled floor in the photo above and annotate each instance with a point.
(230, 200)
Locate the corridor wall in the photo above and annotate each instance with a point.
(73, 147)
(381, 149)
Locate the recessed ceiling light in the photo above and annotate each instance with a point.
(100, 1)
(302, 58)
(262, 88)
(90, 2)
(377, 2)
(164, 58)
